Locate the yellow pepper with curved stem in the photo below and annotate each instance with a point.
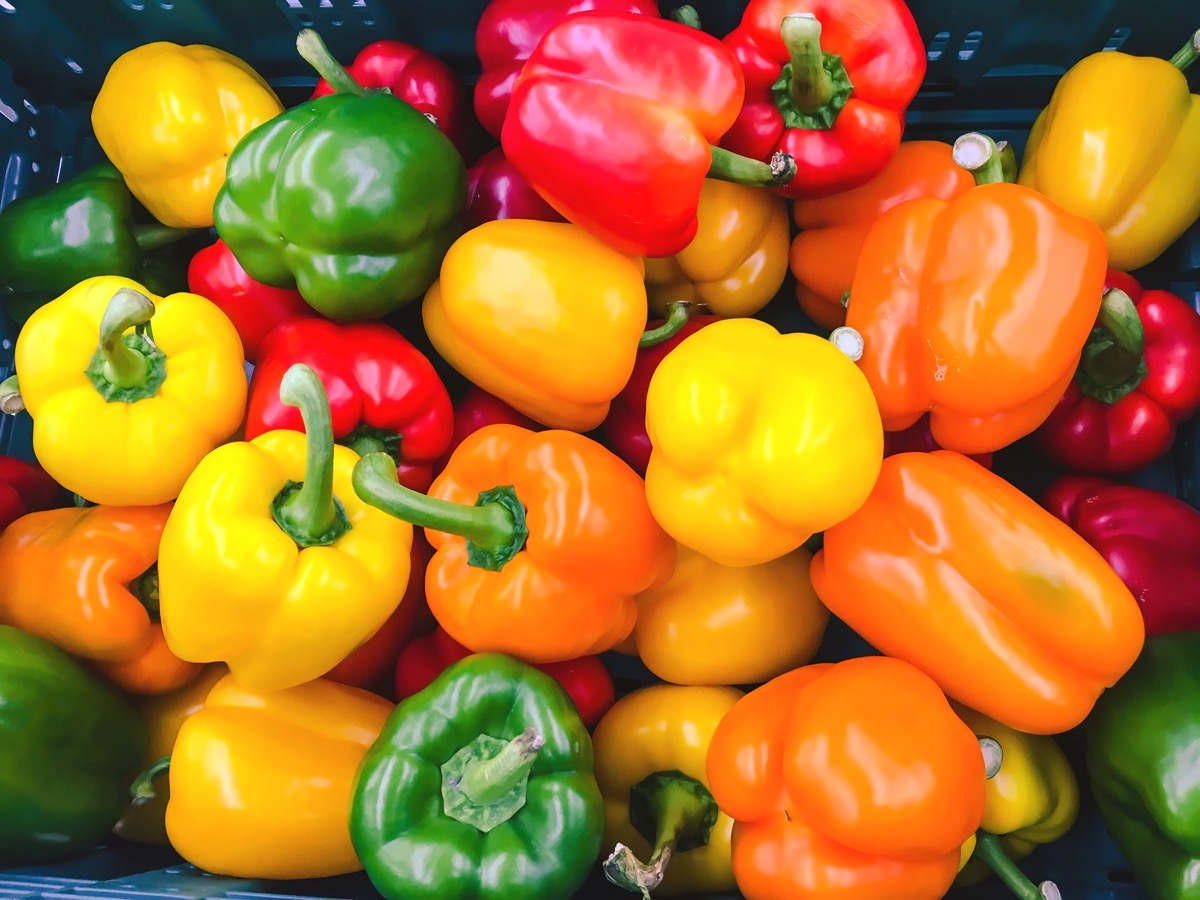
(736, 262)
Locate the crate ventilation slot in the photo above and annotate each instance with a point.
(1119, 37)
(970, 44)
(7, 7)
(937, 46)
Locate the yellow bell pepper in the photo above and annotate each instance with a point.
(715, 624)
(660, 819)
(1118, 145)
(758, 441)
(270, 562)
(123, 419)
(169, 116)
(261, 784)
(736, 262)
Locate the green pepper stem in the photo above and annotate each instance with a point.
(729, 166)
(849, 340)
(123, 366)
(685, 15)
(11, 401)
(145, 589)
(678, 313)
(1008, 161)
(367, 445)
(151, 237)
(989, 850)
(811, 86)
(979, 155)
(993, 756)
(486, 781)
(1188, 53)
(142, 790)
(1113, 361)
(317, 55)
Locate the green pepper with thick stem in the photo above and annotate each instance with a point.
(480, 788)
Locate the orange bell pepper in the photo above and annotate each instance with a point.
(541, 541)
(87, 581)
(852, 781)
(832, 229)
(951, 568)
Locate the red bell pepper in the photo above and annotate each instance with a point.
(917, 438)
(508, 31)
(613, 120)
(25, 488)
(828, 82)
(1138, 378)
(1151, 540)
(585, 679)
(476, 409)
(418, 78)
(496, 190)
(383, 393)
(255, 309)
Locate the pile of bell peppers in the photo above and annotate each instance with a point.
(384, 456)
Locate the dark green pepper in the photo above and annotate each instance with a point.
(68, 746)
(352, 198)
(1143, 755)
(480, 788)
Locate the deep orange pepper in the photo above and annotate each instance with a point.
(951, 568)
(832, 229)
(852, 781)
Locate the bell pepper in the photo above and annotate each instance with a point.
(169, 117)
(480, 786)
(24, 488)
(85, 580)
(759, 440)
(51, 241)
(122, 418)
(976, 309)
(828, 83)
(847, 780)
(254, 309)
(418, 78)
(1117, 144)
(540, 314)
(261, 783)
(541, 542)
(715, 624)
(651, 748)
(496, 190)
(294, 211)
(270, 563)
(660, 112)
(585, 680)
(384, 394)
(1148, 537)
(1138, 378)
(919, 439)
(163, 715)
(67, 743)
(473, 411)
(1142, 745)
(832, 229)
(949, 567)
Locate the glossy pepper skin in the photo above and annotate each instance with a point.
(918, 438)
(713, 624)
(254, 309)
(84, 579)
(820, 816)
(1117, 144)
(475, 409)
(951, 568)
(160, 404)
(67, 743)
(585, 680)
(984, 341)
(496, 190)
(759, 440)
(1139, 377)
(542, 315)
(1148, 537)
(384, 394)
(834, 95)
(24, 488)
(832, 229)
(292, 212)
(1141, 756)
(169, 117)
(441, 786)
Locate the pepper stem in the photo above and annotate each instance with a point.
(142, 790)
(494, 527)
(11, 401)
(1188, 53)
(685, 15)
(849, 340)
(145, 589)
(1008, 161)
(989, 849)
(811, 85)
(729, 166)
(317, 55)
(487, 780)
(123, 366)
(151, 237)
(979, 155)
(678, 313)
(1113, 361)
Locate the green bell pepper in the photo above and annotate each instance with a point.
(49, 242)
(1143, 743)
(68, 746)
(480, 788)
(352, 198)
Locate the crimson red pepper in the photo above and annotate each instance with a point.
(827, 81)
(384, 394)
(585, 679)
(1151, 540)
(25, 488)
(917, 438)
(476, 409)
(418, 78)
(1138, 378)
(496, 190)
(255, 309)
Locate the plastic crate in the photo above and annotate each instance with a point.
(992, 66)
